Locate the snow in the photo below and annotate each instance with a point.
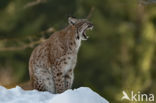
(80, 95)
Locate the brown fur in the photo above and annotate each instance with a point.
(52, 63)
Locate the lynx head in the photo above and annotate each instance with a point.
(81, 25)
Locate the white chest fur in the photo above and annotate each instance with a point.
(69, 63)
(71, 58)
(78, 44)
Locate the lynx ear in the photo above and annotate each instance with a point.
(72, 20)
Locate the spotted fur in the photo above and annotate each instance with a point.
(52, 63)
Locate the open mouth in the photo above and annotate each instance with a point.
(90, 27)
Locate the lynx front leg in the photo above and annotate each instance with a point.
(69, 79)
(59, 81)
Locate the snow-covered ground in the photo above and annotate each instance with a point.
(80, 95)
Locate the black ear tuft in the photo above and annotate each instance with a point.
(71, 16)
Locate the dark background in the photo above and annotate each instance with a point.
(119, 55)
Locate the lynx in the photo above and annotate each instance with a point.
(52, 63)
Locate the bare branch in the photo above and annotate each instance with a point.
(32, 44)
(90, 13)
(147, 2)
(34, 3)
(49, 30)
(29, 45)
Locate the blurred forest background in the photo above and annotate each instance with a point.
(119, 55)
